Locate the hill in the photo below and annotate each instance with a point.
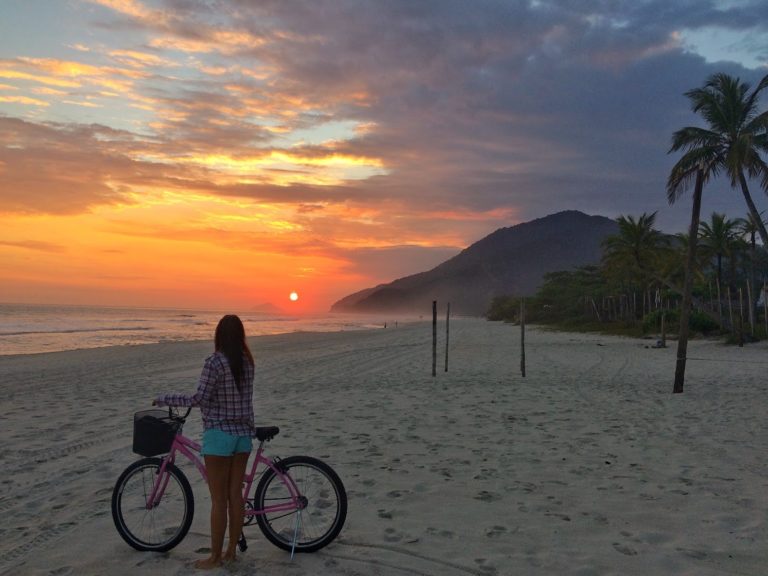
(508, 261)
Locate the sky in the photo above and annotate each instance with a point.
(222, 154)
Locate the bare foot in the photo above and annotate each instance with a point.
(228, 557)
(208, 563)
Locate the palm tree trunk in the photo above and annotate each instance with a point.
(753, 209)
(685, 313)
(730, 310)
(752, 287)
(719, 304)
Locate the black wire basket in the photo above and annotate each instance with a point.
(153, 432)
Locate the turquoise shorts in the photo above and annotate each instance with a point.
(219, 443)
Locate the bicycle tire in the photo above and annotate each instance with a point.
(152, 530)
(323, 516)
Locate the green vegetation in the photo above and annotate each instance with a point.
(647, 279)
(638, 282)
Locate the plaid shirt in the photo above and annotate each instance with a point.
(222, 406)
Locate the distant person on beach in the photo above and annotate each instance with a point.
(225, 397)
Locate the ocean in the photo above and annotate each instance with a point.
(32, 328)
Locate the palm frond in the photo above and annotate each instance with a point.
(683, 174)
(693, 137)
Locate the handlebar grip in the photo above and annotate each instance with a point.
(173, 416)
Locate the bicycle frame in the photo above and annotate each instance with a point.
(191, 449)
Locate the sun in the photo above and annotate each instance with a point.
(293, 296)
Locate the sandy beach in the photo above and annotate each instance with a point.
(587, 466)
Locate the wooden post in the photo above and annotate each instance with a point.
(751, 309)
(765, 307)
(741, 319)
(434, 338)
(690, 260)
(730, 309)
(522, 336)
(634, 305)
(663, 331)
(719, 303)
(447, 333)
(597, 312)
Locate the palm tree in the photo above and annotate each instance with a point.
(637, 245)
(750, 228)
(697, 167)
(735, 137)
(733, 142)
(673, 267)
(633, 255)
(719, 238)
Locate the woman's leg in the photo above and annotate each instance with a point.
(236, 504)
(218, 470)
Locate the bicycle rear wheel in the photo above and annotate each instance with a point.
(323, 511)
(161, 527)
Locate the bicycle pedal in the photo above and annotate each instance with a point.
(242, 544)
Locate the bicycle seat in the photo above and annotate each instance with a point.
(266, 432)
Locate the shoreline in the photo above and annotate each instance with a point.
(22, 334)
(588, 466)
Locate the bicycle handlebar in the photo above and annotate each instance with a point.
(173, 416)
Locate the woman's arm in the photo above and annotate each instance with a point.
(205, 388)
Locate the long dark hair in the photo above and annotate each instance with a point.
(230, 341)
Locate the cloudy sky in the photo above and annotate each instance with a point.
(212, 153)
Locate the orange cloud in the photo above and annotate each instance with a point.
(136, 59)
(34, 245)
(133, 9)
(223, 41)
(83, 103)
(18, 75)
(43, 90)
(24, 100)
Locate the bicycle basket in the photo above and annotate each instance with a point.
(153, 432)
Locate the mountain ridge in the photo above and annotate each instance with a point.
(510, 260)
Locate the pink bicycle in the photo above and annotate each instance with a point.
(300, 503)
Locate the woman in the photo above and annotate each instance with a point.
(225, 398)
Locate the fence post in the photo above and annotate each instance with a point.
(447, 333)
(730, 309)
(434, 337)
(741, 319)
(522, 336)
(765, 306)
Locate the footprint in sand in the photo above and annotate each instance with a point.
(485, 496)
(695, 554)
(396, 493)
(441, 533)
(624, 549)
(484, 567)
(392, 535)
(495, 531)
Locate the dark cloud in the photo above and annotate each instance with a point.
(530, 107)
(54, 169)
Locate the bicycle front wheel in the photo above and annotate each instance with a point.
(320, 515)
(158, 528)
